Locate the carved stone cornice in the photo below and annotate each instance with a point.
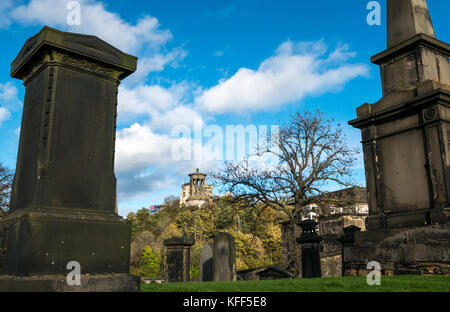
(85, 64)
(55, 57)
(84, 52)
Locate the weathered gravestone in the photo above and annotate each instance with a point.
(64, 191)
(178, 255)
(405, 138)
(310, 243)
(224, 259)
(206, 263)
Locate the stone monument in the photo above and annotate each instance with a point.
(224, 260)
(178, 256)
(63, 199)
(196, 192)
(310, 242)
(405, 137)
(206, 263)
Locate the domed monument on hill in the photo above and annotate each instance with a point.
(196, 192)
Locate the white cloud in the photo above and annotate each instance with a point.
(295, 71)
(9, 101)
(95, 20)
(5, 8)
(144, 37)
(156, 63)
(137, 148)
(145, 163)
(166, 107)
(144, 99)
(4, 115)
(180, 115)
(8, 94)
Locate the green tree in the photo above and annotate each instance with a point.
(151, 262)
(6, 178)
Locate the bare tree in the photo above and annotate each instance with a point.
(5, 189)
(311, 151)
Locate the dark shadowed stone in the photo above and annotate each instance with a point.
(178, 258)
(49, 283)
(63, 203)
(224, 262)
(405, 134)
(407, 18)
(405, 138)
(206, 263)
(310, 243)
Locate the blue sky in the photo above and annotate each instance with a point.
(248, 62)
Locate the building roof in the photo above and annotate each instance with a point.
(265, 268)
(349, 195)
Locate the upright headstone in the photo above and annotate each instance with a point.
(178, 255)
(62, 206)
(405, 138)
(310, 243)
(206, 263)
(348, 240)
(224, 259)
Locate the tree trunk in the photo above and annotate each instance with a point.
(291, 259)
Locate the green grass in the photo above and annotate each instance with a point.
(408, 283)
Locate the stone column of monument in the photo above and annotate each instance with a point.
(178, 256)
(406, 145)
(310, 244)
(64, 191)
(405, 135)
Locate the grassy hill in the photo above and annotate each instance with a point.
(409, 283)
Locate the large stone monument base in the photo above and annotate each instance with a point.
(37, 244)
(414, 250)
(121, 282)
(63, 209)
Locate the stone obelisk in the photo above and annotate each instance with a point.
(64, 191)
(406, 145)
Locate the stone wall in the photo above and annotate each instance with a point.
(420, 250)
(331, 256)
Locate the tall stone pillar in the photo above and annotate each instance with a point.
(406, 145)
(405, 135)
(310, 242)
(64, 190)
(178, 256)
